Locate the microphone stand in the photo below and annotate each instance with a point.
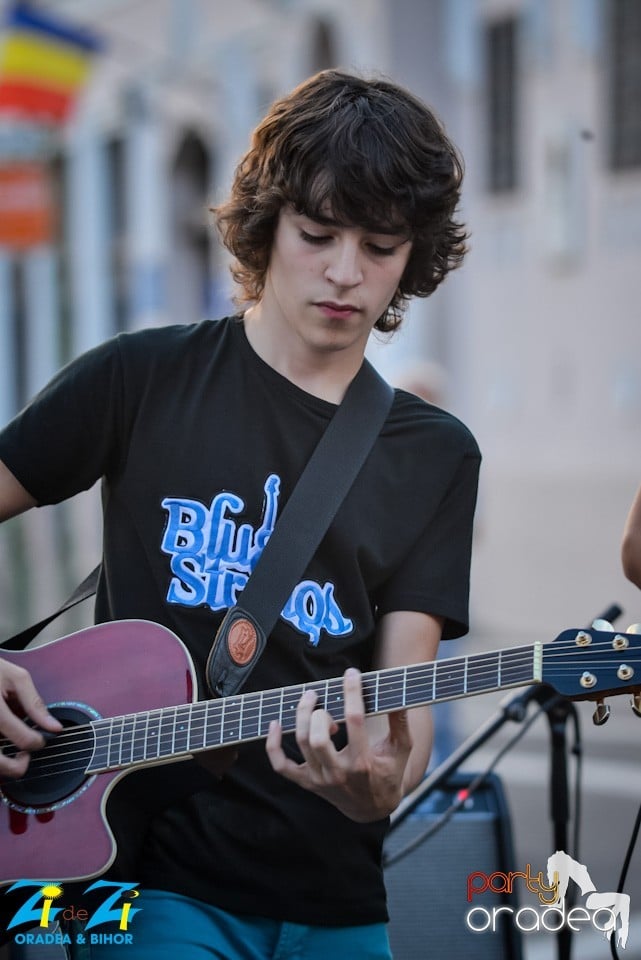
(513, 708)
(558, 709)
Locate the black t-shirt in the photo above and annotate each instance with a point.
(199, 443)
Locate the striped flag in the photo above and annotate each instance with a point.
(44, 65)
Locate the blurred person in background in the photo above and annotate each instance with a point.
(342, 209)
(631, 543)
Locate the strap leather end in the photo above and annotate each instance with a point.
(239, 643)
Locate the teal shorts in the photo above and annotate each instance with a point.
(171, 926)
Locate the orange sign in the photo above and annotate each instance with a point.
(26, 206)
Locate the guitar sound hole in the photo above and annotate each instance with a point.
(58, 770)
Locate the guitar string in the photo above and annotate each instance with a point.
(390, 681)
(189, 708)
(456, 664)
(387, 685)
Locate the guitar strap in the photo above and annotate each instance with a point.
(319, 492)
(327, 478)
(82, 592)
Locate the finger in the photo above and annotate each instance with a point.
(321, 746)
(280, 762)
(357, 737)
(15, 766)
(399, 729)
(17, 686)
(304, 712)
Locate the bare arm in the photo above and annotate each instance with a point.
(631, 544)
(14, 498)
(18, 696)
(385, 757)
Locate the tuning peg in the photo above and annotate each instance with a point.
(601, 714)
(600, 624)
(634, 628)
(635, 703)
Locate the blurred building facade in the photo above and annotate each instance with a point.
(538, 333)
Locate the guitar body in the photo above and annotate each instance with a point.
(61, 831)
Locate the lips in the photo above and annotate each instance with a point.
(334, 309)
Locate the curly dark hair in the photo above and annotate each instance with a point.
(366, 150)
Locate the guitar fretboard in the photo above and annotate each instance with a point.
(174, 732)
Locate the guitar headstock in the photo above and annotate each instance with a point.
(591, 664)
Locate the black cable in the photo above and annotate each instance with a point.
(465, 793)
(624, 873)
(577, 751)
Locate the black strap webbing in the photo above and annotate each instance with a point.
(321, 488)
(82, 592)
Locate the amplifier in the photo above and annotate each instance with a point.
(428, 887)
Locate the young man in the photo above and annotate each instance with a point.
(341, 210)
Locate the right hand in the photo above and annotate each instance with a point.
(19, 697)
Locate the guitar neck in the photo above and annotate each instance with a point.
(176, 732)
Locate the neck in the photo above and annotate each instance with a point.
(322, 373)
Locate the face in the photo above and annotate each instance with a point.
(328, 284)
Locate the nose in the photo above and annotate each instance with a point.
(344, 266)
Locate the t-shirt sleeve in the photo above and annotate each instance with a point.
(435, 575)
(66, 438)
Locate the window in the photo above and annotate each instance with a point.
(323, 46)
(625, 84)
(115, 152)
(502, 99)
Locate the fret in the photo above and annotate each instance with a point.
(110, 737)
(378, 681)
(153, 736)
(190, 715)
(388, 691)
(205, 722)
(145, 737)
(289, 702)
(465, 676)
(404, 695)
(516, 669)
(498, 672)
(325, 695)
(231, 723)
(182, 725)
(481, 674)
(126, 744)
(100, 757)
(250, 719)
(166, 728)
(335, 701)
(213, 726)
(271, 709)
(115, 750)
(138, 739)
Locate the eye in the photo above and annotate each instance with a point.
(382, 251)
(316, 239)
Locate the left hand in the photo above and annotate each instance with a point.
(363, 779)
